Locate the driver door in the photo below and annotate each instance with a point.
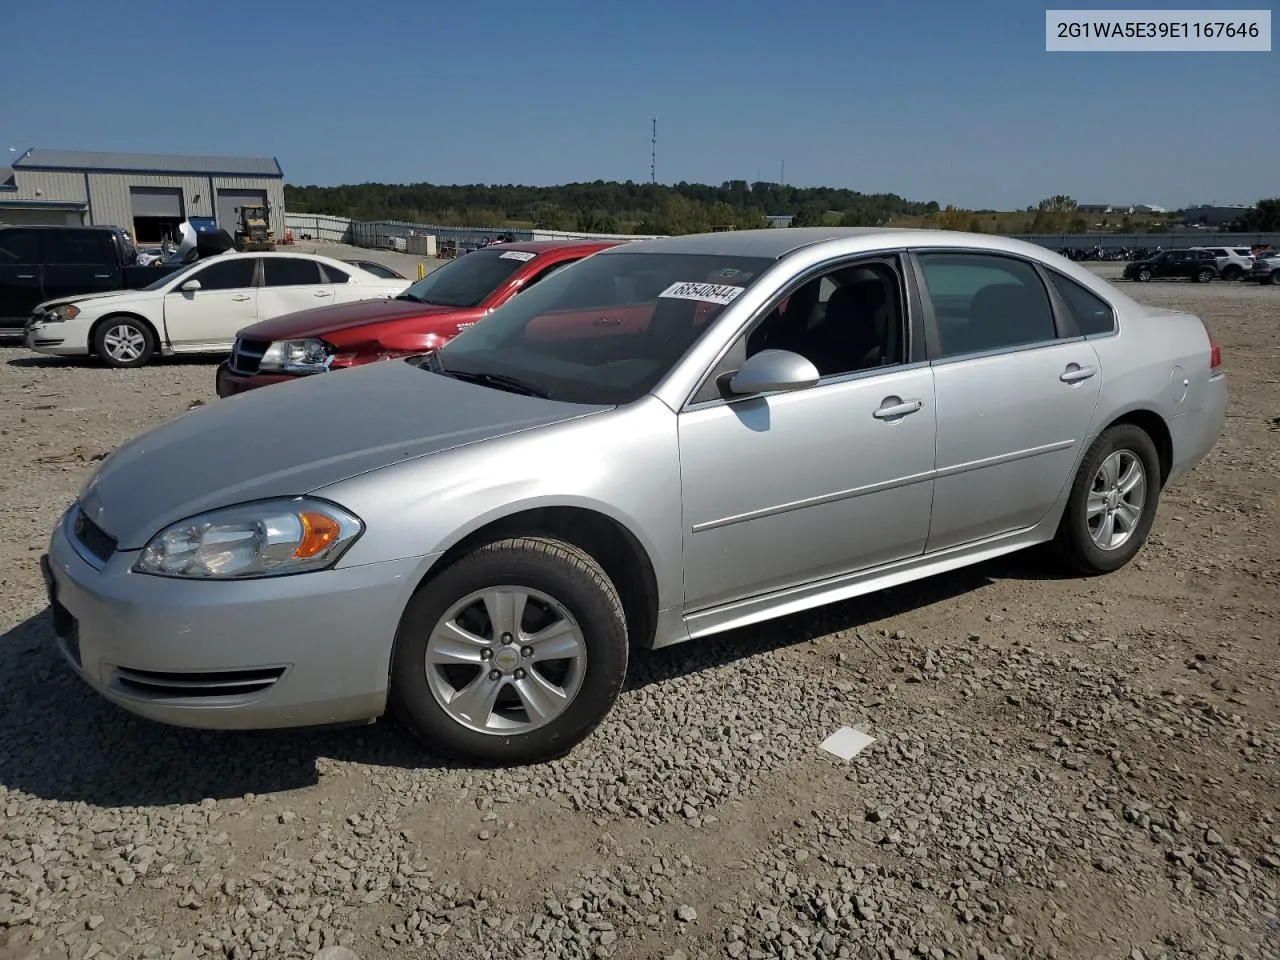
(789, 488)
(206, 320)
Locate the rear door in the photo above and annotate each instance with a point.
(206, 320)
(20, 275)
(1016, 387)
(80, 261)
(290, 284)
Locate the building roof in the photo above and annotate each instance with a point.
(162, 163)
(6, 179)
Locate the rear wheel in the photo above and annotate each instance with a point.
(1204, 276)
(123, 342)
(511, 655)
(1274, 279)
(1112, 503)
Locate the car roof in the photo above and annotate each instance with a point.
(776, 243)
(555, 246)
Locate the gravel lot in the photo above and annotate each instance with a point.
(1063, 768)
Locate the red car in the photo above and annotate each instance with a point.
(427, 315)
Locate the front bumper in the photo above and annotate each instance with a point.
(302, 650)
(40, 337)
(228, 384)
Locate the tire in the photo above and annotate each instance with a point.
(566, 589)
(1274, 279)
(1204, 276)
(1232, 273)
(123, 342)
(1075, 540)
(1144, 275)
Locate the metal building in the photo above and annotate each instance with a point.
(147, 194)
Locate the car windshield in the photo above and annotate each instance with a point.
(467, 281)
(168, 276)
(604, 331)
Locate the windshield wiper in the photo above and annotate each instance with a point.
(498, 381)
(410, 297)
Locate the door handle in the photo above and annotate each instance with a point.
(1076, 373)
(895, 407)
(241, 298)
(321, 293)
(26, 276)
(102, 276)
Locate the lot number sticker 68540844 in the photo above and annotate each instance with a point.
(707, 292)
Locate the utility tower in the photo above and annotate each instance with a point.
(653, 153)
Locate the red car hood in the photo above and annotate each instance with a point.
(340, 316)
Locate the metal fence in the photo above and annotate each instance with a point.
(392, 234)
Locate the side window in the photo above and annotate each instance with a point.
(846, 320)
(235, 273)
(1093, 315)
(19, 246)
(334, 275)
(985, 302)
(80, 247)
(290, 272)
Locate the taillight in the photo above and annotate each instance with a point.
(1215, 351)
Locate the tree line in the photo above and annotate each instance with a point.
(648, 208)
(606, 206)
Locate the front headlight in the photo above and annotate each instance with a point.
(297, 356)
(67, 311)
(264, 539)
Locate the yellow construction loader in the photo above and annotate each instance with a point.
(253, 232)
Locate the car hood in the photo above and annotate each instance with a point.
(117, 296)
(292, 439)
(341, 316)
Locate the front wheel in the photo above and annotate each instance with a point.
(1232, 273)
(511, 655)
(1112, 503)
(124, 342)
(1144, 274)
(1274, 279)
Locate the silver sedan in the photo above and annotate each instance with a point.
(665, 441)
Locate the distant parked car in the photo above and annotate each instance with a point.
(1266, 268)
(671, 439)
(199, 308)
(377, 269)
(427, 314)
(1232, 262)
(1198, 265)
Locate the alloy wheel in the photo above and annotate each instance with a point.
(124, 343)
(1116, 499)
(505, 660)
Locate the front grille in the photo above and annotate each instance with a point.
(92, 537)
(246, 356)
(187, 685)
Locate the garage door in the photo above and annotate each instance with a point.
(230, 202)
(156, 202)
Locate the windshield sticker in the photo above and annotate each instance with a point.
(707, 292)
(524, 255)
(726, 273)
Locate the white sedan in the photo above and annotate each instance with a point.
(199, 308)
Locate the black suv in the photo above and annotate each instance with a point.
(39, 263)
(1198, 265)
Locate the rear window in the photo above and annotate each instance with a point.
(334, 275)
(469, 280)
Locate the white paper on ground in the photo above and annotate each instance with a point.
(846, 743)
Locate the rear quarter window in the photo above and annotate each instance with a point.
(1092, 314)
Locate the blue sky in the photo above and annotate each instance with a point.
(949, 101)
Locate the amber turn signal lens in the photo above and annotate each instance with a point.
(318, 532)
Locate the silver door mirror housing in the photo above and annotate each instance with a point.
(191, 286)
(770, 371)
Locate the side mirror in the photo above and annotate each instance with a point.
(772, 370)
(191, 286)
